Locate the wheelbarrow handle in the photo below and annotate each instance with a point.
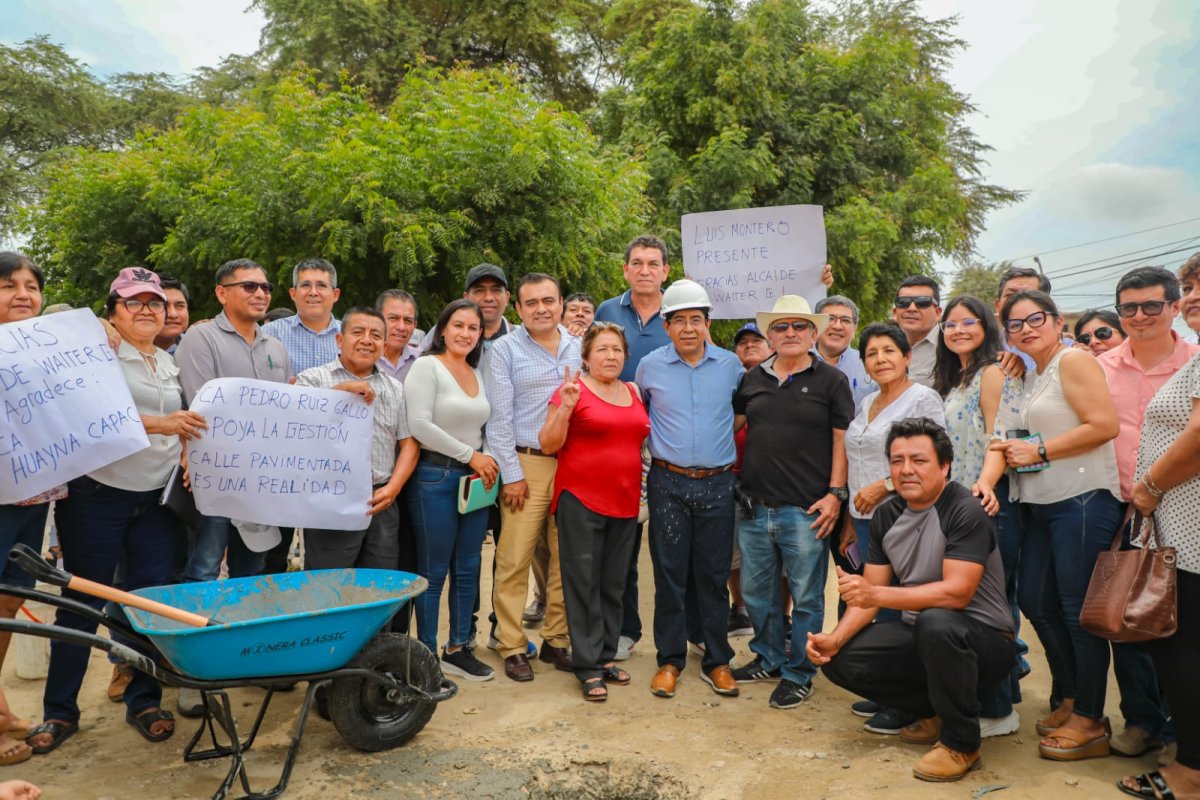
(28, 559)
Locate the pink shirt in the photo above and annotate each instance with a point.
(1132, 389)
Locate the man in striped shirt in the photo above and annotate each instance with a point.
(311, 336)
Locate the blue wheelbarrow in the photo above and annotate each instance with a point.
(273, 631)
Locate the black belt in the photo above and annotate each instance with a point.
(758, 501)
(439, 460)
(690, 472)
(533, 451)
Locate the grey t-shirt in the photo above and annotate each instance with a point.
(914, 544)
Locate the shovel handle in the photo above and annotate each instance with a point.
(28, 559)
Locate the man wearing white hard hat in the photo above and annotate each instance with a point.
(797, 409)
(688, 389)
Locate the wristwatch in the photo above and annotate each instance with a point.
(840, 492)
(1042, 453)
(887, 484)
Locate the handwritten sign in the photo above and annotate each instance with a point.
(748, 257)
(282, 455)
(66, 409)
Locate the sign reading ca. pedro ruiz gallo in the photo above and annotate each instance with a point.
(747, 258)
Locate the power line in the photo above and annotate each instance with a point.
(1130, 261)
(1130, 253)
(1108, 239)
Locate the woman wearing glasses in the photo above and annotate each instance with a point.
(112, 515)
(1067, 475)
(980, 402)
(1098, 330)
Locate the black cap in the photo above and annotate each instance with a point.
(485, 270)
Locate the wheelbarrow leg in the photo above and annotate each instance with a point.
(213, 713)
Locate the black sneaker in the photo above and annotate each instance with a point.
(789, 694)
(739, 623)
(464, 664)
(866, 708)
(889, 721)
(754, 671)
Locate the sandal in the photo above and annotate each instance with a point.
(147, 718)
(594, 690)
(1073, 745)
(1151, 786)
(615, 675)
(58, 731)
(17, 754)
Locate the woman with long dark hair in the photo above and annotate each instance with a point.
(447, 409)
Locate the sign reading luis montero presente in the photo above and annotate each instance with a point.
(65, 408)
(747, 258)
(278, 454)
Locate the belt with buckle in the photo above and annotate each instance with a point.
(533, 451)
(690, 472)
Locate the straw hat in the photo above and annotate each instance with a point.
(791, 306)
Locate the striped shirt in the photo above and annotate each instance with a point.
(520, 377)
(306, 348)
(390, 420)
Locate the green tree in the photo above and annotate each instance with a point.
(980, 280)
(774, 103)
(464, 166)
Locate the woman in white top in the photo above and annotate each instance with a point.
(1073, 511)
(447, 408)
(112, 515)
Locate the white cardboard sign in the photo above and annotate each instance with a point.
(65, 408)
(279, 454)
(747, 258)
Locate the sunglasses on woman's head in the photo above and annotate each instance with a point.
(921, 301)
(1103, 334)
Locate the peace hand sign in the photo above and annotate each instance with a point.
(569, 391)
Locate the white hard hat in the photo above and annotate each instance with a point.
(682, 294)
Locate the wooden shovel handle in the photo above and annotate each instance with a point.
(85, 586)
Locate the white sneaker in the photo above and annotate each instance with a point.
(999, 726)
(625, 647)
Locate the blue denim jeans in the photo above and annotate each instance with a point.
(21, 525)
(998, 701)
(448, 544)
(98, 527)
(781, 538)
(1058, 554)
(217, 538)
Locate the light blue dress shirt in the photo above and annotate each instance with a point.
(691, 408)
(306, 348)
(851, 365)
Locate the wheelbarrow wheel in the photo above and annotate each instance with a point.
(372, 717)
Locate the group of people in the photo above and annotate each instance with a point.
(964, 465)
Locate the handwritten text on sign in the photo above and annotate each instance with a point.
(747, 258)
(282, 455)
(66, 408)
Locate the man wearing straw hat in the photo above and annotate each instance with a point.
(797, 409)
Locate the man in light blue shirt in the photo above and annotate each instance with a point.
(520, 373)
(833, 345)
(688, 389)
(311, 335)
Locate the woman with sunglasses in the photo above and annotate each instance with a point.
(979, 401)
(1098, 331)
(112, 515)
(1067, 474)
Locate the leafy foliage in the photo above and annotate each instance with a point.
(979, 280)
(464, 166)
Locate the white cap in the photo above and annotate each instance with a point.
(258, 537)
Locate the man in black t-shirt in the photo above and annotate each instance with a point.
(956, 630)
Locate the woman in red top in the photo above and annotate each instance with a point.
(597, 425)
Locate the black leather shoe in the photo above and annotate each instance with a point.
(560, 657)
(518, 668)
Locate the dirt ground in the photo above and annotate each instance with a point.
(540, 740)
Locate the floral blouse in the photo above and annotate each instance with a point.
(964, 424)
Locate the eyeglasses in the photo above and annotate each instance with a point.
(133, 305)
(1151, 308)
(686, 322)
(797, 325)
(1103, 334)
(966, 324)
(310, 286)
(923, 301)
(1035, 320)
(847, 321)
(250, 287)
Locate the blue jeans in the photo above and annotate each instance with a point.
(998, 701)
(448, 543)
(21, 525)
(98, 527)
(209, 544)
(1058, 554)
(691, 545)
(781, 538)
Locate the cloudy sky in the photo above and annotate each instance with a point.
(1085, 102)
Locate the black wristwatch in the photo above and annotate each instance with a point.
(840, 492)
(1042, 453)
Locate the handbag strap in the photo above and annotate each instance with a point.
(1139, 522)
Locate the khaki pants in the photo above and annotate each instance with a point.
(519, 535)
